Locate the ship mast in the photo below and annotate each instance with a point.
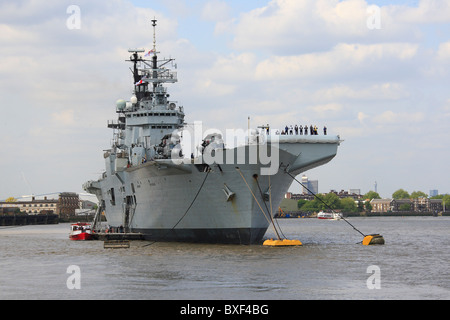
(145, 72)
(155, 58)
(154, 34)
(139, 85)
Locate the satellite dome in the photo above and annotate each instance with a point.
(121, 104)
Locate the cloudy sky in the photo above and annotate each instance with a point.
(377, 73)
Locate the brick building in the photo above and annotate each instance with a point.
(421, 204)
(381, 205)
(64, 206)
(68, 202)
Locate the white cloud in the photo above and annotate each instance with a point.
(376, 91)
(362, 116)
(342, 61)
(446, 109)
(291, 26)
(64, 118)
(428, 11)
(234, 68)
(216, 10)
(326, 111)
(443, 53)
(11, 35)
(389, 118)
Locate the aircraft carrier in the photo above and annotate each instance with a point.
(164, 181)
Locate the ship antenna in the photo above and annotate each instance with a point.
(154, 35)
(154, 58)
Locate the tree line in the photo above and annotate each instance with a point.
(350, 205)
(331, 200)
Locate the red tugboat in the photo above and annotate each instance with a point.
(80, 231)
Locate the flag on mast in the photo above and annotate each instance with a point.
(148, 53)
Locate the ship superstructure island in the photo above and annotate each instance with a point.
(210, 193)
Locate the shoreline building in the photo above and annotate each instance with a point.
(381, 205)
(420, 204)
(68, 202)
(434, 193)
(33, 207)
(67, 205)
(312, 185)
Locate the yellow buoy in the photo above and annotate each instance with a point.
(373, 239)
(280, 243)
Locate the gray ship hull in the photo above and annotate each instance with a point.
(224, 235)
(219, 203)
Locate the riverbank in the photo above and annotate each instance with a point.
(397, 214)
(24, 219)
(366, 214)
(21, 220)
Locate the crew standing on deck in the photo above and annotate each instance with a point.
(291, 130)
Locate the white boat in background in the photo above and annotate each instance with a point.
(329, 215)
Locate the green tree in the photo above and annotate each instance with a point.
(332, 201)
(311, 206)
(368, 206)
(348, 205)
(400, 194)
(418, 194)
(301, 202)
(446, 201)
(371, 195)
(360, 206)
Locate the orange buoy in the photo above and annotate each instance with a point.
(373, 239)
(282, 243)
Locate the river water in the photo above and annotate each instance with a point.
(37, 262)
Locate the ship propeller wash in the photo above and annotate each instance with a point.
(159, 183)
